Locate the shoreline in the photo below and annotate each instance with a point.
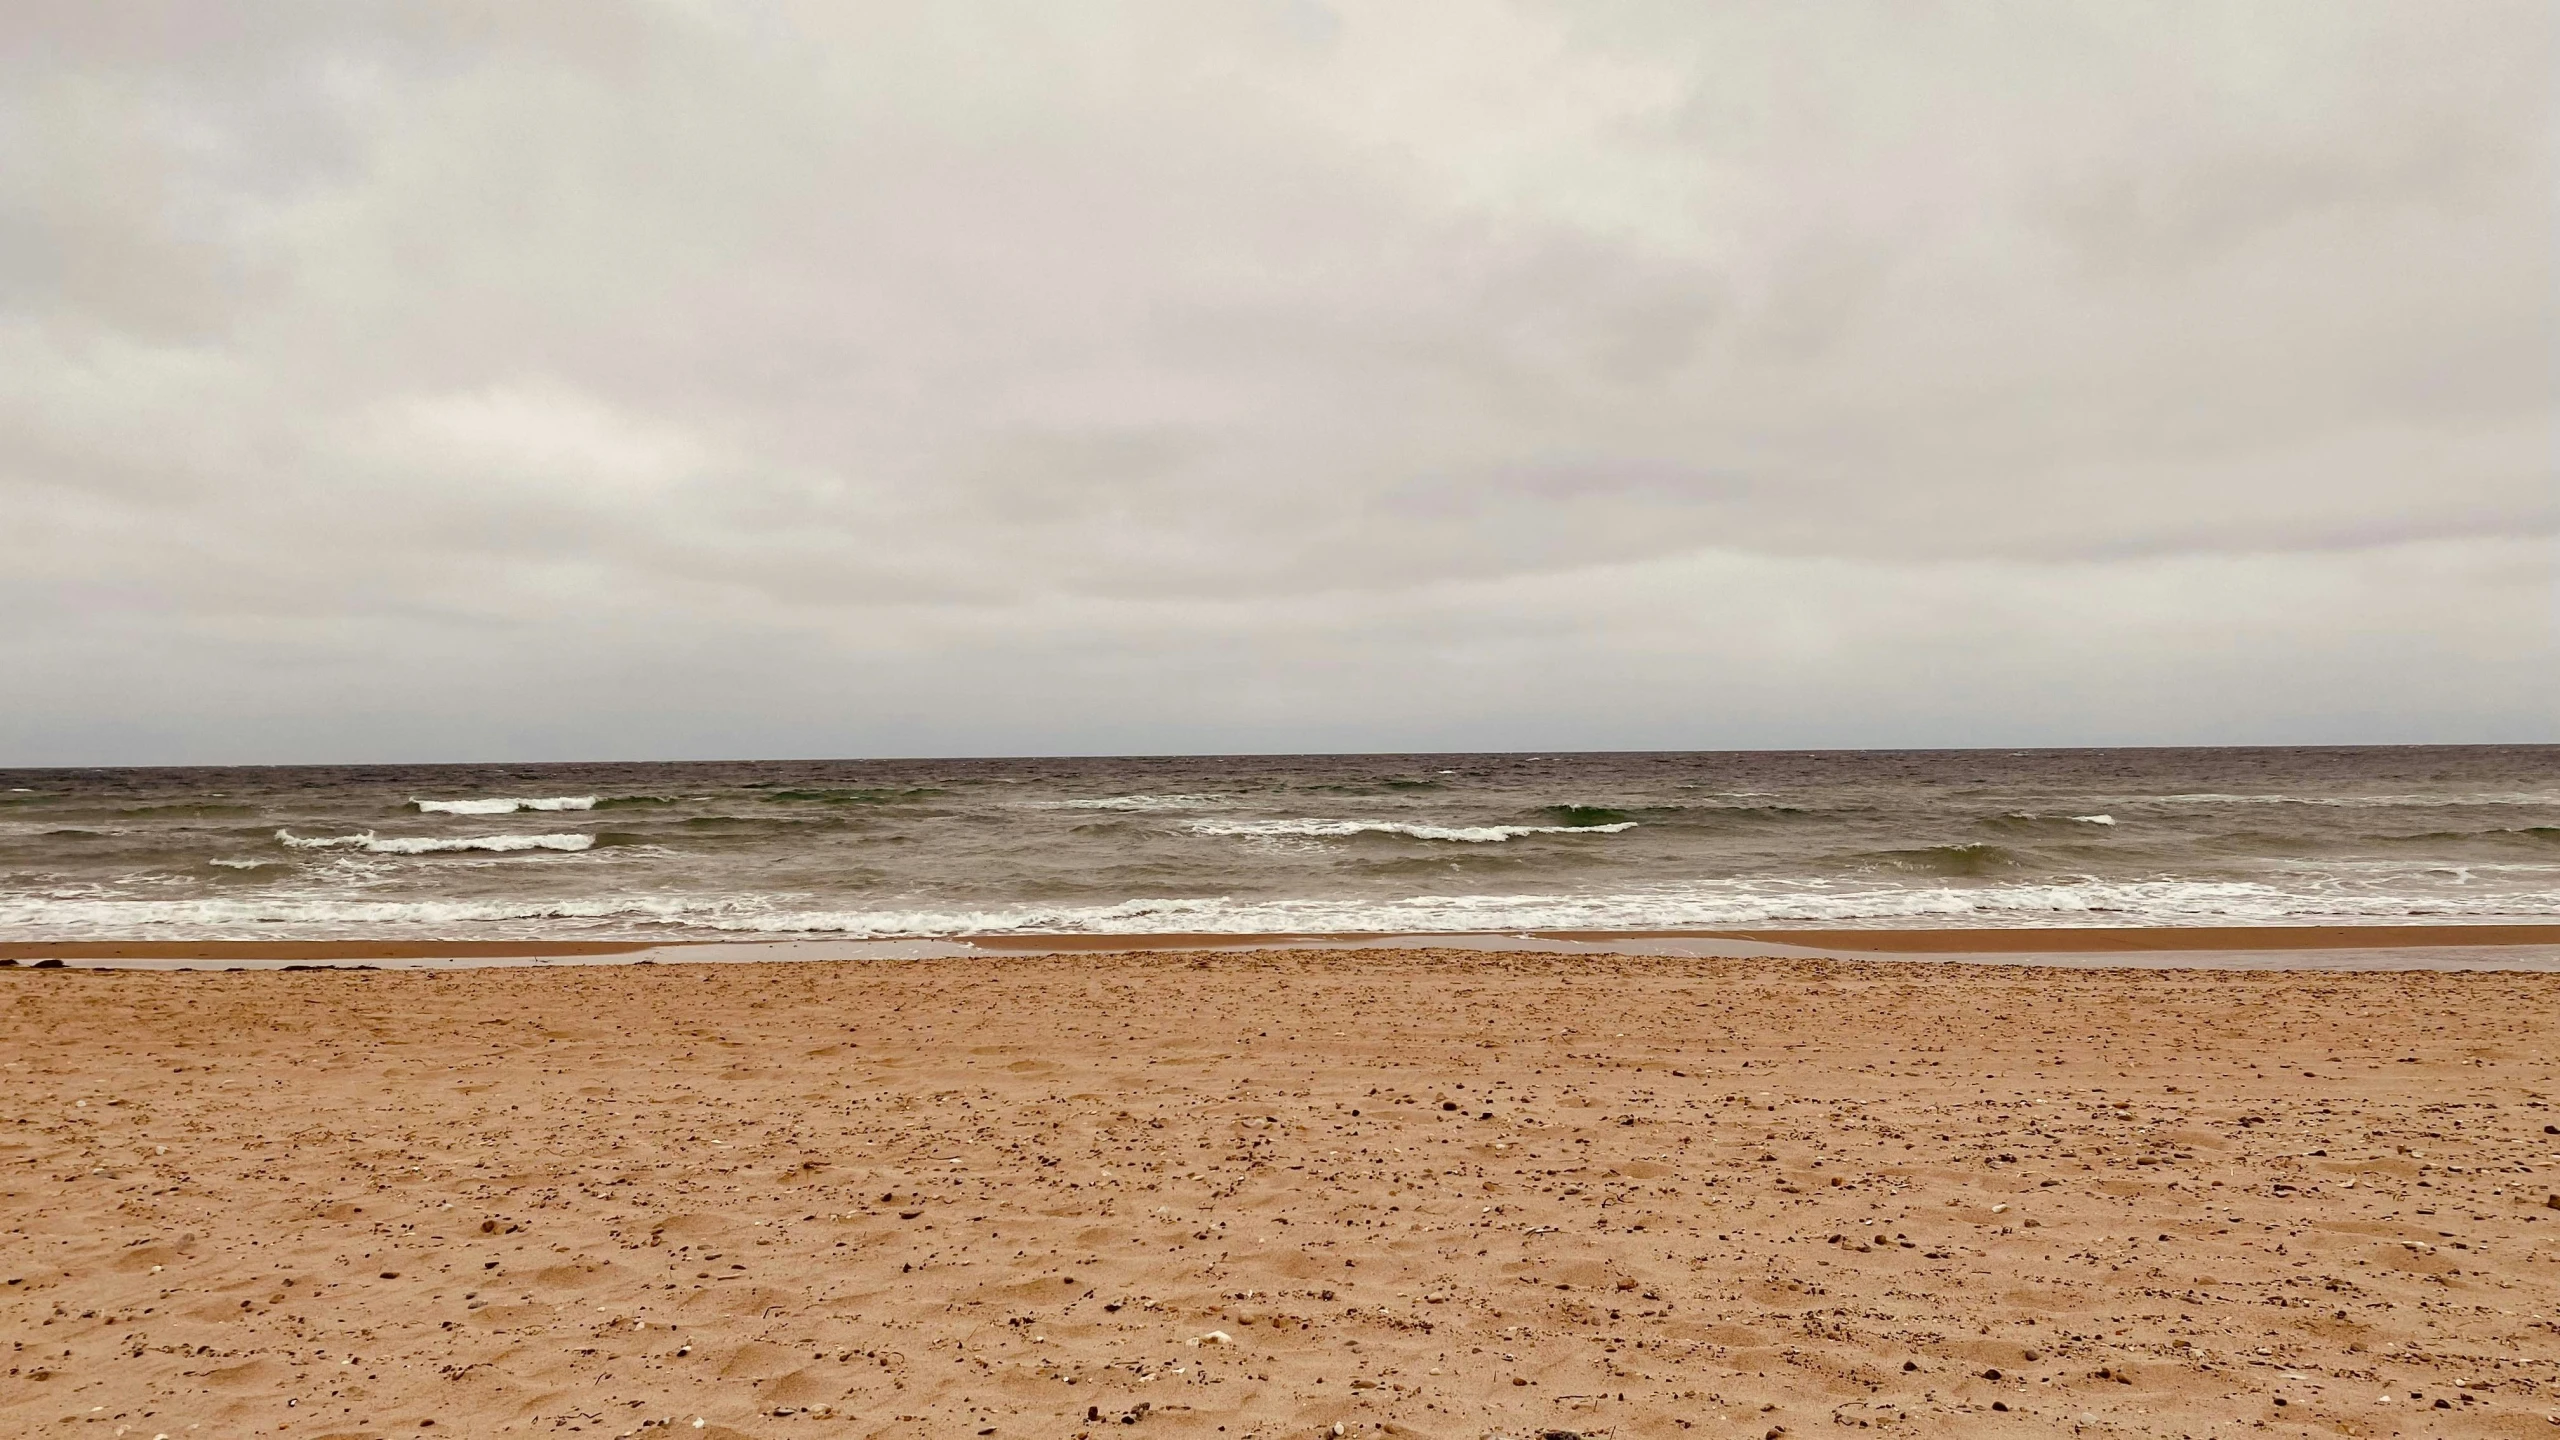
(1951, 943)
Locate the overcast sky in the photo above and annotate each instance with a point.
(591, 379)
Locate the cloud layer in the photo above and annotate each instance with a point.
(588, 380)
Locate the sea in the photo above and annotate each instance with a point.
(1372, 844)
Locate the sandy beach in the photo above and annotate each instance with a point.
(1273, 1193)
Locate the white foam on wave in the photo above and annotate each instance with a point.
(503, 805)
(1128, 802)
(1336, 829)
(2352, 802)
(372, 844)
(1704, 906)
(2095, 819)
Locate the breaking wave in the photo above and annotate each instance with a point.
(2031, 819)
(372, 844)
(1720, 905)
(1127, 802)
(1356, 843)
(503, 806)
(1336, 829)
(1951, 860)
(2360, 802)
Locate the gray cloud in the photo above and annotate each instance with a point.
(393, 381)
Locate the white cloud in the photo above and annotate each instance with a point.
(712, 379)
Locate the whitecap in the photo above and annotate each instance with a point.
(373, 844)
(1701, 905)
(503, 805)
(1335, 829)
(1127, 802)
(2095, 819)
(2356, 802)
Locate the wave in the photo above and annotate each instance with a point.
(876, 796)
(372, 844)
(1756, 812)
(776, 824)
(1719, 905)
(1951, 860)
(205, 809)
(1337, 829)
(2507, 833)
(1587, 817)
(504, 806)
(1127, 802)
(2502, 797)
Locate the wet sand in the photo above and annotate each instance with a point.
(1424, 1193)
(2022, 941)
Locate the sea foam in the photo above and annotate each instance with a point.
(2360, 802)
(372, 844)
(503, 805)
(1335, 829)
(1126, 802)
(1707, 905)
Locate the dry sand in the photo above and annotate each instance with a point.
(1265, 1194)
